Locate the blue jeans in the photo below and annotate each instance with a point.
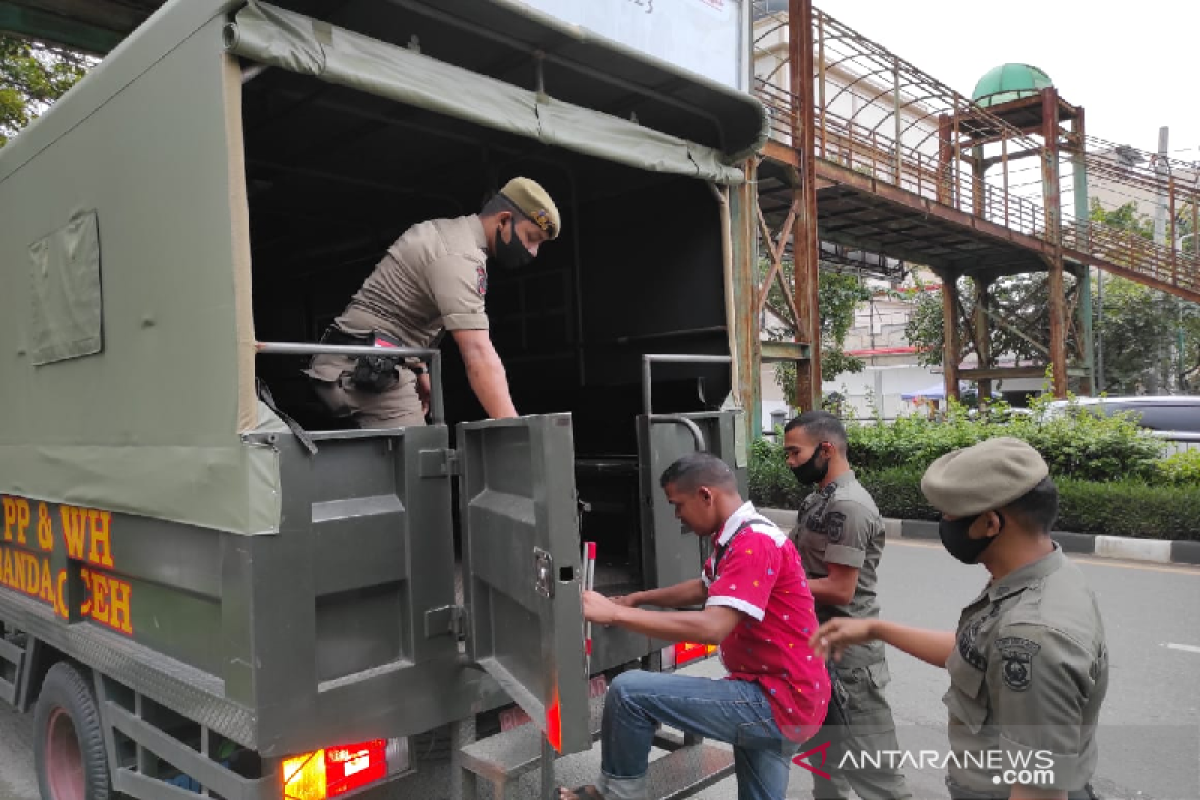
(730, 711)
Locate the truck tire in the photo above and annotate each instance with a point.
(68, 745)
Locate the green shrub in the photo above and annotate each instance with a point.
(772, 484)
(1080, 444)
(897, 492)
(1181, 469)
(1128, 507)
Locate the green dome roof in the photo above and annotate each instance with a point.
(1009, 82)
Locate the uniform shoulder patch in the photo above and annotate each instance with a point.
(835, 526)
(1018, 653)
(481, 275)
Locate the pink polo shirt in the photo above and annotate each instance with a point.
(760, 574)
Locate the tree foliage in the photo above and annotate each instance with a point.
(1135, 329)
(32, 77)
(1018, 326)
(839, 294)
(1138, 326)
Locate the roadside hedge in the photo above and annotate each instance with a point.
(1078, 443)
(1134, 507)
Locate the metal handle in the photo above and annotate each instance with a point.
(305, 349)
(691, 425)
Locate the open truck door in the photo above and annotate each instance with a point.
(673, 553)
(522, 568)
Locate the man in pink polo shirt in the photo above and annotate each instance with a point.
(757, 607)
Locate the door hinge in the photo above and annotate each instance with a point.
(437, 463)
(446, 619)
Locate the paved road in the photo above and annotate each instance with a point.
(1150, 741)
(1150, 738)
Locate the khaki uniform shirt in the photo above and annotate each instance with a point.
(840, 524)
(434, 277)
(1027, 677)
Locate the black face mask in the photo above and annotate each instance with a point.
(512, 254)
(809, 472)
(956, 538)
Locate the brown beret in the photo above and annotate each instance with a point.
(535, 203)
(983, 477)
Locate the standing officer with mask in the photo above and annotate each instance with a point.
(840, 536)
(1028, 664)
(433, 278)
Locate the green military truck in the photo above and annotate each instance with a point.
(207, 587)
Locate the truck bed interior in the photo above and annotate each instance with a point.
(334, 176)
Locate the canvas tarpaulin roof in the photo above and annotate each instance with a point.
(291, 41)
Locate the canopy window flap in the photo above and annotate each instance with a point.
(291, 41)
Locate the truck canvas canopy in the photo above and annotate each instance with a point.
(149, 406)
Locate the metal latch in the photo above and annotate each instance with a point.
(543, 569)
(437, 463)
(446, 619)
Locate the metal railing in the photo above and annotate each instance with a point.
(436, 407)
(878, 115)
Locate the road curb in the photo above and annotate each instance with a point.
(1123, 547)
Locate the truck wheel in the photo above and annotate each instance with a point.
(68, 745)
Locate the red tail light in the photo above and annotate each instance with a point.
(690, 651)
(334, 771)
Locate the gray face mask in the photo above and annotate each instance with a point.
(511, 254)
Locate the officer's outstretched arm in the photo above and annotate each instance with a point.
(485, 372)
(932, 647)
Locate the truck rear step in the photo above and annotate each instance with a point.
(12, 659)
(687, 769)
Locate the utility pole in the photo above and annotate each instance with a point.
(1162, 169)
(1100, 333)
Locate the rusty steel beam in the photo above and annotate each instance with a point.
(928, 207)
(743, 213)
(1186, 292)
(992, 161)
(1051, 194)
(999, 373)
(805, 242)
(777, 249)
(775, 151)
(951, 347)
(983, 343)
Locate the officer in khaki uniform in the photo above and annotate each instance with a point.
(433, 278)
(1028, 663)
(840, 536)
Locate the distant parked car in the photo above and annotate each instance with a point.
(1175, 418)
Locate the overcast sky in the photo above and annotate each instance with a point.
(1133, 66)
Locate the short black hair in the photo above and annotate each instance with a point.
(1037, 508)
(694, 470)
(496, 204)
(821, 425)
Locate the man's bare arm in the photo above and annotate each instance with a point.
(688, 593)
(838, 588)
(485, 372)
(932, 647)
(709, 626)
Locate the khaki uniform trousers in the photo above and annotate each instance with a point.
(398, 407)
(871, 730)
